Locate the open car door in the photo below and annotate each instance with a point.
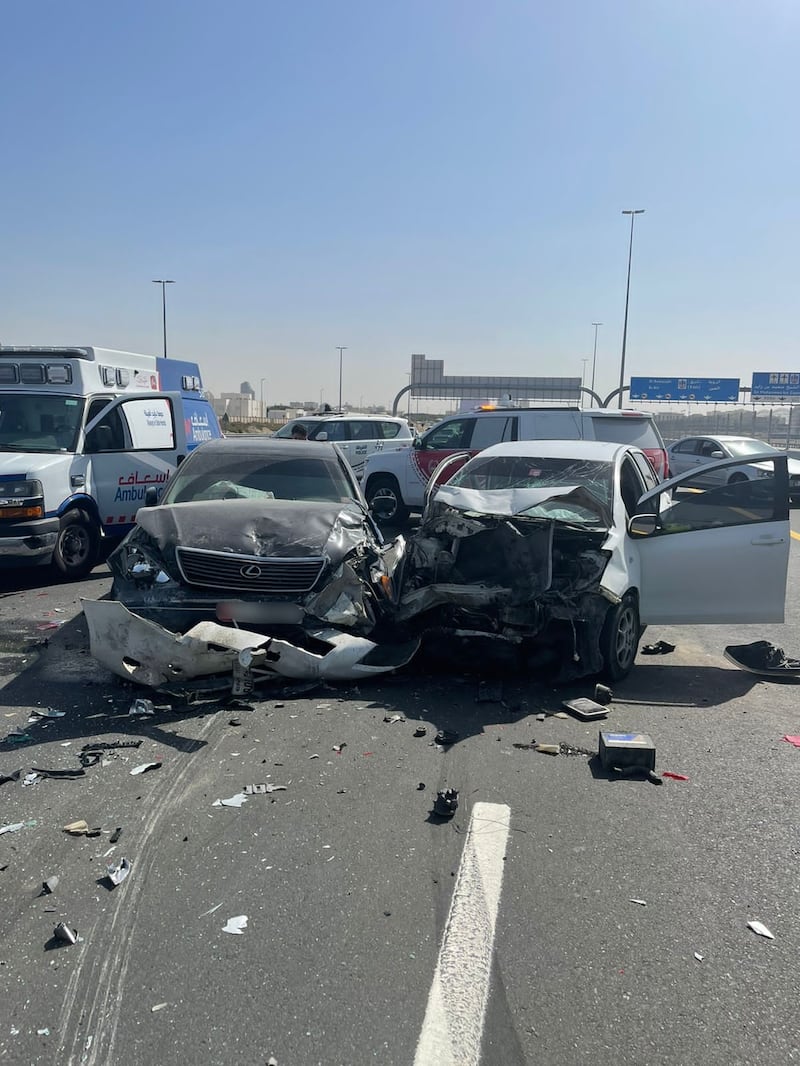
(718, 555)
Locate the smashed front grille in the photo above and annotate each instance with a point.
(248, 573)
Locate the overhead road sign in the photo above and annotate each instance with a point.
(775, 387)
(697, 390)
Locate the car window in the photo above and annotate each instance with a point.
(336, 431)
(108, 435)
(707, 447)
(627, 430)
(224, 476)
(489, 430)
(686, 447)
(631, 485)
(645, 468)
(361, 429)
(735, 504)
(388, 430)
(451, 435)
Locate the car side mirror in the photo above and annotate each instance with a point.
(322, 435)
(150, 496)
(718, 455)
(643, 525)
(417, 443)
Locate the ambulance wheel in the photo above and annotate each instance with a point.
(77, 545)
(386, 489)
(619, 638)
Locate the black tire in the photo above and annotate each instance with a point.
(386, 487)
(619, 638)
(735, 479)
(77, 545)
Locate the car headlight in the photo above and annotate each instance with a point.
(140, 567)
(21, 499)
(764, 473)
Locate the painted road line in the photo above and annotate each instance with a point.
(795, 535)
(453, 1026)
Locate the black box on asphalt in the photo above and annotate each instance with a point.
(626, 749)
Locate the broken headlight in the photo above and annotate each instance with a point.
(137, 565)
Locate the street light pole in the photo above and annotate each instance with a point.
(262, 399)
(633, 214)
(594, 355)
(340, 348)
(163, 284)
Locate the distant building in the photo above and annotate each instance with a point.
(246, 389)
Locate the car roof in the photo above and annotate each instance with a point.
(327, 416)
(269, 446)
(717, 436)
(624, 413)
(602, 451)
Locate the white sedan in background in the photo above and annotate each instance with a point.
(566, 548)
(693, 454)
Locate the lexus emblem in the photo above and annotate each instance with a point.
(251, 571)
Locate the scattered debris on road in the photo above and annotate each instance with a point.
(585, 709)
(140, 706)
(603, 694)
(117, 872)
(421, 731)
(64, 934)
(391, 719)
(232, 801)
(621, 751)
(49, 885)
(446, 736)
(698, 956)
(236, 925)
(760, 929)
(641, 902)
(145, 767)
(15, 776)
(661, 647)
(674, 776)
(792, 740)
(446, 803)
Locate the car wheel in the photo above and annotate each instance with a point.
(619, 638)
(77, 545)
(735, 479)
(387, 489)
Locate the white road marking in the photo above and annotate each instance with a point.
(453, 1026)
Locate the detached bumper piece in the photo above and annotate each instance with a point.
(142, 651)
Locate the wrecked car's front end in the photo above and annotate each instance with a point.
(239, 561)
(270, 538)
(534, 568)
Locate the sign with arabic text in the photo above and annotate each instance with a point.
(695, 390)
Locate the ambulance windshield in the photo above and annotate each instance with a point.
(33, 422)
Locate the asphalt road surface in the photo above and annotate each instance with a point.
(375, 932)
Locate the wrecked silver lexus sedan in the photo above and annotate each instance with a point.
(255, 535)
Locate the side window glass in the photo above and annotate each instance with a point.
(631, 486)
(389, 430)
(450, 436)
(510, 429)
(687, 447)
(336, 431)
(362, 430)
(763, 499)
(707, 447)
(488, 431)
(108, 435)
(645, 468)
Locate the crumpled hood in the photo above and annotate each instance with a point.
(285, 528)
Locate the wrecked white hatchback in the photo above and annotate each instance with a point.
(565, 549)
(258, 536)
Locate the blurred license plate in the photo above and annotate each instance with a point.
(279, 614)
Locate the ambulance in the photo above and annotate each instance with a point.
(84, 434)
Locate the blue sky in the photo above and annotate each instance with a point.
(443, 177)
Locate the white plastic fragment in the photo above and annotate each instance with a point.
(760, 929)
(43, 1032)
(30, 779)
(641, 902)
(119, 871)
(157, 1006)
(236, 925)
(698, 956)
(211, 910)
(231, 801)
(144, 766)
(140, 706)
(47, 712)
(12, 827)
